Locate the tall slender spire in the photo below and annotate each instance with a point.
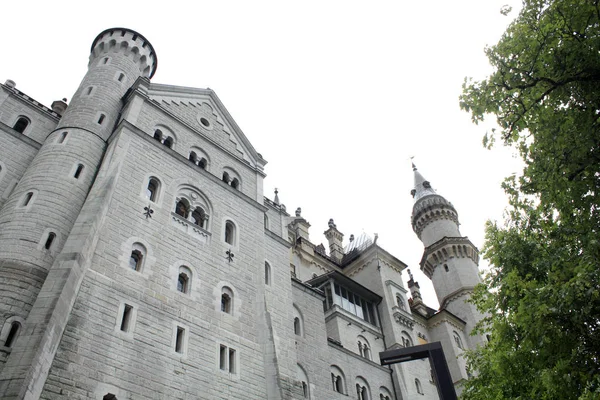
(422, 186)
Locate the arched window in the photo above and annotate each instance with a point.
(182, 208)
(202, 163)
(337, 380)
(418, 386)
(303, 378)
(400, 302)
(297, 326)
(226, 300)
(235, 183)
(168, 142)
(267, 273)
(152, 189)
(136, 259)
(193, 157)
(384, 394)
(50, 240)
(158, 135)
(230, 233)
(362, 392)
(266, 222)
(364, 349)
(109, 396)
(21, 124)
(225, 177)
(15, 329)
(199, 217)
(406, 340)
(184, 280)
(457, 340)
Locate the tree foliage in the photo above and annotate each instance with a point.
(542, 295)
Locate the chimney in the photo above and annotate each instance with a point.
(335, 238)
(59, 106)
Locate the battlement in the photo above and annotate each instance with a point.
(128, 42)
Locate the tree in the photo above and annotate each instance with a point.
(542, 294)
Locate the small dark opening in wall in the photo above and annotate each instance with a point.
(12, 334)
(105, 60)
(101, 119)
(446, 267)
(27, 199)
(179, 340)
(125, 322)
(63, 136)
(121, 77)
(78, 171)
(50, 240)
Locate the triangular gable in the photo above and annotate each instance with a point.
(191, 104)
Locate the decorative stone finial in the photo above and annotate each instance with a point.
(410, 275)
(331, 223)
(298, 212)
(351, 238)
(276, 199)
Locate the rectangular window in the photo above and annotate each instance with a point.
(101, 119)
(126, 320)
(179, 338)
(223, 358)
(231, 361)
(293, 270)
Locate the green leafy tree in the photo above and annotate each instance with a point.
(542, 295)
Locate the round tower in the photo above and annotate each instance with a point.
(36, 219)
(449, 259)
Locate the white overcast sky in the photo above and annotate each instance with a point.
(336, 95)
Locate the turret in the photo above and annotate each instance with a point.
(449, 259)
(40, 212)
(335, 239)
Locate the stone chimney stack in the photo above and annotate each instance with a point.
(335, 238)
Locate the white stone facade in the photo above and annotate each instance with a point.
(131, 267)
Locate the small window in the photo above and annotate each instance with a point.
(121, 77)
(182, 208)
(293, 270)
(305, 390)
(226, 303)
(457, 340)
(400, 302)
(101, 119)
(235, 183)
(105, 61)
(297, 326)
(193, 157)
(63, 137)
(227, 359)
(337, 382)
(183, 282)
(204, 122)
(418, 386)
(78, 171)
(179, 339)
(446, 267)
(126, 319)
(406, 340)
(361, 392)
(232, 361)
(158, 135)
(109, 396)
(50, 240)
(225, 177)
(199, 217)
(152, 189)
(230, 233)
(135, 260)
(267, 273)
(168, 142)
(223, 358)
(202, 163)
(21, 124)
(89, 91)
(12, 334)
(27, 199)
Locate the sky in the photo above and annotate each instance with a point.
(336, 95)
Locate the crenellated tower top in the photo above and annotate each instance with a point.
(128, 42)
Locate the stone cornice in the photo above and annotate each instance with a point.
(446, 248)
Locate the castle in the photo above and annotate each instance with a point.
(139, 258)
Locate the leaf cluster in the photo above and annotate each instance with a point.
(542, 296)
